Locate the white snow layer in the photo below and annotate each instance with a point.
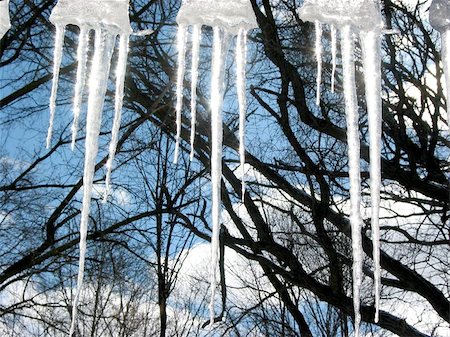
(228, 18)
(109, 19)
(109, 14)
(231, 15)
(5, 21)
(364, 17)
(440, 20)
(362, 14)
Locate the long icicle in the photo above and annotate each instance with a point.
(104, 45)
(57, 57)
(220, 49)
(80, 81)
(445, 38)
(241, 61)
(120, 83)
(318, 47)
(351, 109)
(196, 38)
(371, 45)
(181, 46)
(333, 56)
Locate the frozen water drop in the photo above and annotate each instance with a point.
(196, 38)
(231, 16)
(333, 56)
(318, 47)
(241, 61)
(57, 57)
(220, 50)
(120, 82)
(181, 44)
(104, 45)
(80, 80)
(371, 46)
(351, 109)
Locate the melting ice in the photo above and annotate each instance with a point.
(228, 18)
(440, 20)
(353, 17)
(108, 19)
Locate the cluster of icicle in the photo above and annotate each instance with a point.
(108, 19)
(353, 17)
(5, 21)
(228, 18)
(440, 20)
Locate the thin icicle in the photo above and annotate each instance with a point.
(371, 45)
(80, 81)
(241, 60)
(120, 82)
(220, 48)
(333, 56)
(351, 109)
(446, 64)
(181, 44)
(104, 45)
(196, 38)
(57, 57)
(318, 59)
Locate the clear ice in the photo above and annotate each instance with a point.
(228, 18)
(351, 111)
(318, 59)
(5, 21)
(241, 61)
(440, 20)
(82, 51)
(108, 19)
(361, 17)
(333, 56)
(181, 46)
(196, 39)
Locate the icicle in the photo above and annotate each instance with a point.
(80, 81)
(333, 56)
(220, 49)
(104, 45)
(319, 59)
(120, 82)
(181, 44)
(59, 43)
(371, 46)
(196, 38)
(351, 109)
(241, 60)
(446, 64)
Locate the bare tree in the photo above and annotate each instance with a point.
(294, 221)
